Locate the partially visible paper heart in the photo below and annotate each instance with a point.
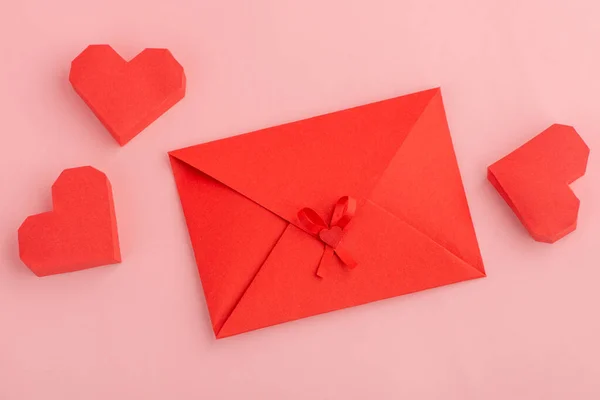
(534, 180)
(127, 96)
(80, 232)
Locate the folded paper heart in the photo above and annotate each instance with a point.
(331, 236)
(127, 96)
(80, 232)
(534, 180)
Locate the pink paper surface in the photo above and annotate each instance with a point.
(140, 329)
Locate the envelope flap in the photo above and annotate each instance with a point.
(313, 162)
(422, 185)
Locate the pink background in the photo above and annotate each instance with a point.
(140, 330)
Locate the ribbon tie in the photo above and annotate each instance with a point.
(331, 234)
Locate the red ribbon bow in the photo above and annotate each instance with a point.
(331, 234)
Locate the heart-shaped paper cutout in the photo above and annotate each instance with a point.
(332, 236)
(80, 232)
(127, 96)
(534, 180)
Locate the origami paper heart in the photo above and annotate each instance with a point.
(331, 236)
(127, 96)
(81, 231)
(534, 180)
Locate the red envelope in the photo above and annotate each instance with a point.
(327, 213)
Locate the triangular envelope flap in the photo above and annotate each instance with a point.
(422, 185)
(313, 162)
(395, 259)
(228, 251)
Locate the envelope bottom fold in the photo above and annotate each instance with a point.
(397, 260)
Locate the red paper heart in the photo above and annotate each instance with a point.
(331, 236)
(127, 96)
(534, 180)
(81, 231)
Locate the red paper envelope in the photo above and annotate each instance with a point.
(326, 213)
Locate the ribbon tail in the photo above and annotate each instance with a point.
(346, 258)
(325, 259)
